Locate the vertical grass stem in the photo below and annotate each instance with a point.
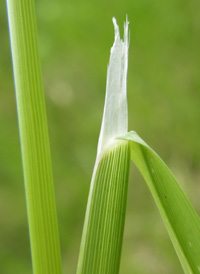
(34, 138)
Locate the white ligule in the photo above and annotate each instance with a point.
(115, 116)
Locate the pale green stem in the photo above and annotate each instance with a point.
(34, 138)
(104, 222)
(105, 216)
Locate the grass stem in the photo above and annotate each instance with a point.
(34, 138)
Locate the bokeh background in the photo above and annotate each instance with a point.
(75, 37)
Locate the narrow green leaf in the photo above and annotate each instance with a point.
(180, 218)
(34, 138)
(104, 222)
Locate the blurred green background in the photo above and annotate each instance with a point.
(164, 96)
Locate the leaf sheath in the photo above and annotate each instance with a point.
(104, 222)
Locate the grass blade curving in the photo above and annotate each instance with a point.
(179, 216)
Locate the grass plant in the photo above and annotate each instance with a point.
(105, 215)
(179, 216)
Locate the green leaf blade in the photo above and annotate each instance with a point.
(180, 218)
(104, 222)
